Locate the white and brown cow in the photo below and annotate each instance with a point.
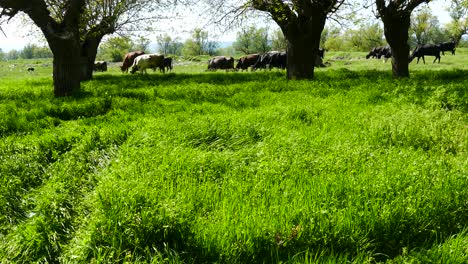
(151, 61)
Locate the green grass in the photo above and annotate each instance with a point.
(195, 167)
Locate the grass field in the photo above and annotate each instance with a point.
(195, 167)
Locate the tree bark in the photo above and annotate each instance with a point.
(89, 49)
(66, 66)
(303, 36)
(396, 27)
(301, 55)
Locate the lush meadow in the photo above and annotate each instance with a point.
(195, 167)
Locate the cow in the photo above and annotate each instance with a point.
(145, 61)
(379, 52)
(321, 53)
(247, 61)
(447, 46)
(100, 66)
(271, 59)
(221, 62)
(168, 63)
(30, 69)
(129, 59)
(425, 50)
(278, 60)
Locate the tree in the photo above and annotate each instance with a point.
(42, 52)
(104, 17)
(459, 25)
(142, 44)
(424, 26)
(164, 43)
(61, 26)
(12, 55)
(302, 23)
(167, 45)
(199, 44)
(252, 40)
(74, 29)
(114, 49)
(28, 51)
(396, 17)
(278, 42)
(332, 39)
(364, 38)
(2, 55)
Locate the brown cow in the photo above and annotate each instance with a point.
(247, 61)
(128, 60)
(221, 62)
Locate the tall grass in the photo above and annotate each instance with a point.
(353, 166)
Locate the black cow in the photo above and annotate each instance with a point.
(447, 46)
(221, 62)
(379, 52)
(30, 69)
(271, 59)
(321, 53)
(278, 60)
(426, 50)
(247, 61)
(100, 66)
(168, 63)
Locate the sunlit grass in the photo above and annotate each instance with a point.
(194, 167)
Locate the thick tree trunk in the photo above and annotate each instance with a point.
(303, 36)
(89, 49)
(301, 58)
(396, 32)
(400, 61)
(66, 66)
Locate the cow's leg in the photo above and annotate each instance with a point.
(424, 61)
(417, 62)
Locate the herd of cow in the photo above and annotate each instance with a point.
(139, 61)
(419, 52)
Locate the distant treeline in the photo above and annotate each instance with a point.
(30, 51)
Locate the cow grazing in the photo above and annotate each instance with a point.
(271, 59)
(100, 66)
(321, 53)
(278, 60)
(145, 61)
(221, 63)
(425, 50)
(30, 69)
(379, 52)
(168, 63)
(247, 61)
(447, 46)
(129, 59)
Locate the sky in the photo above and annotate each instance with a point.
(18, 35)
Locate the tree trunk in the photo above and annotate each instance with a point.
(89, 49)
(301, 58)
(400, 61)
(66, 66)
(396, 32)
(303, 36)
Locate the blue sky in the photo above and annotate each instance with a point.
(18, 36)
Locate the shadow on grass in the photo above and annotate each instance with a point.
(216, 78)
(222, 78)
